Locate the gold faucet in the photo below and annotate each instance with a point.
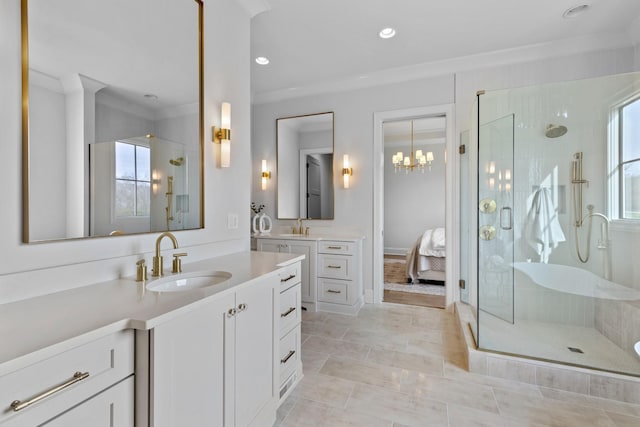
(157, 259)
(300, 228)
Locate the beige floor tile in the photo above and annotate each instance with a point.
(430, 364)
(621, 420)
(455, 372)
(312, 361)
(324, 329)
(340, 348)
(595, 402)
(397, 407)
(462, 416)
(549, 412)
(451, 391)
(314, 414)
(324, 389)
(376, 338)
(363, 372)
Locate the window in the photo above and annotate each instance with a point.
(132, 175)
(628, 164)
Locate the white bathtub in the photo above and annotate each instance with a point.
(576, 281)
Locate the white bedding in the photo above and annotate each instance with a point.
(433, 243)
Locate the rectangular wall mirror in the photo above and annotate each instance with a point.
(112, 117)
(305, 166)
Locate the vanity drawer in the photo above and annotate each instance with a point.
(86, 370)
(335, 247)
(336, 291)
(290, 275)
(335, 266)
(289, 309)
(289, 353)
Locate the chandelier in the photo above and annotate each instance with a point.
(411, 162)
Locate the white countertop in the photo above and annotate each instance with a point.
(311, 236)
(33, 329)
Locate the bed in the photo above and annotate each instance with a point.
(426, 260)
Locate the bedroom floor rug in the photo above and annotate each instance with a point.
(396, 288)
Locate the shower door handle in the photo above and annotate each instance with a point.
(506, 218)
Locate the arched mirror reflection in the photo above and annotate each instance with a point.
(112, 117)
(305, 166)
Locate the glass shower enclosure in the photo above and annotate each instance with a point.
(558, 179)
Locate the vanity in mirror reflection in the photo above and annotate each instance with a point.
(305, 166)
(112, 117)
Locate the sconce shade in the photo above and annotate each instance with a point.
(266, 174)
(346, 171)
(222, 135)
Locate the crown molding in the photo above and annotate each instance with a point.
(565, 47)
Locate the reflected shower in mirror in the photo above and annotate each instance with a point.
(305, 166)
(97, 77)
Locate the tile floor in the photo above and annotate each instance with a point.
(401, 366)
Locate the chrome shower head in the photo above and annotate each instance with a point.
(554, 131)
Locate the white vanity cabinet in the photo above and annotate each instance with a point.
(340, 276)
(309, 249)
(289, 362)
(213, 365)
(91, 384)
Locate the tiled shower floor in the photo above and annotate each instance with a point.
(550, 341)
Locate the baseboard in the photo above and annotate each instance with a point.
(396, 251)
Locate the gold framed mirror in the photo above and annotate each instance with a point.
(112, 117)
(304, 147)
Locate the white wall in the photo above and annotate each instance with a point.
(413, 202)
(34, 269)
(353, 130)
(354, 126)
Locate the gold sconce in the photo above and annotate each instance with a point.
(266, 174)
(347, 171)
(222, 135)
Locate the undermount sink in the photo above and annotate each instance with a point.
(188, 281)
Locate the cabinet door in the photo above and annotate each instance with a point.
(308, 268)
(187, 367)
(111, 408)
(255, 332)
(268, 245)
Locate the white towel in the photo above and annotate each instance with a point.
(542, 229)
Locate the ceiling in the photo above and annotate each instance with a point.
(318, 42)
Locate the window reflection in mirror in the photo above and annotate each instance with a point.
(99, 75)
(305, 166)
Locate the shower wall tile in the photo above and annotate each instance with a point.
(631, 320)
(614, 388)
(562, 379)
(511, 370)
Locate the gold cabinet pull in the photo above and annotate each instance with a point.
(288, 278)
(288, 312)
(17, 405)
(334, 247)
(289, 356)
(331, 291)
(333, 266)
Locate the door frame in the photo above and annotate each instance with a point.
(452, 197)
(302, 159)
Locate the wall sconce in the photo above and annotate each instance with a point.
(266, 174)
(222, 135)
(347, 171)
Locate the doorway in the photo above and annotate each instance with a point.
(414, 211)
(449, 225)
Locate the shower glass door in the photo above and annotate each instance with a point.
(495, 219)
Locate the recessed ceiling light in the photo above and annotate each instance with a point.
(574, 11)
(150, 96)
(387, 33)
(262, 60)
